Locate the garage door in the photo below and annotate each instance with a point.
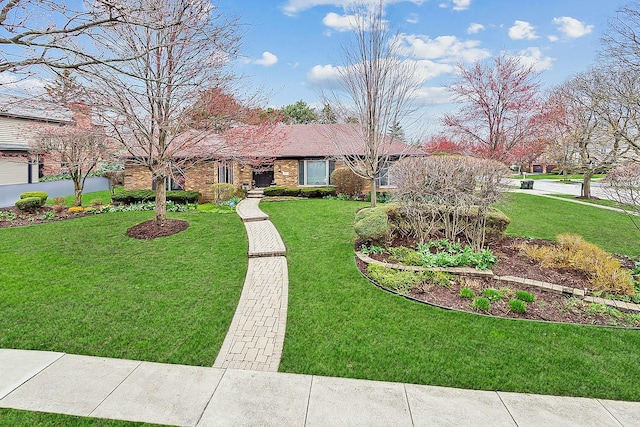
(13, 171)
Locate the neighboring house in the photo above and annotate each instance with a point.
(299, 156)
(19, 119)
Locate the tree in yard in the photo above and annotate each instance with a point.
(299, 113)
(441, 144)
(147, 100)
(376, 86)
(499, 118)
(51, 32)
(80, 145)
(622, 184)
(621, 41)
(595, 122)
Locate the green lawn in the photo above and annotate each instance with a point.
(81, 286)
(13, 417)
(544, 218)
(341, 325)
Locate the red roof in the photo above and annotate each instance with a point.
(326, 140)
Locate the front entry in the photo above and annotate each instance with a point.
(263, 179)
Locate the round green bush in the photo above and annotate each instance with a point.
(372, 225)
(29, 203)
(481, 304)
(517, 306)
(222, 192)
(40, 194)
(525, 296)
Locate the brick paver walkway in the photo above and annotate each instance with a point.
(256, 335)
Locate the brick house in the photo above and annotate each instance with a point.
(298, 156)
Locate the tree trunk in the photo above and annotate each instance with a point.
(161, 198)
(77, 189)
(586, 185)
(374, 193)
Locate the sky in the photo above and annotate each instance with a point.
(291, 47)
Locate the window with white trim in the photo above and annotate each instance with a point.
(315, 172)
(385, 178)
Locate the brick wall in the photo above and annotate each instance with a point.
(137, 177)
(201, 177)
(242, 174)
(285, 172)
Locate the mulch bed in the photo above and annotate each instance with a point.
(548, 306)
(144, 231)
(152, 229)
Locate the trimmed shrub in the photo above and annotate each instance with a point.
(397, 280)
(496, 225)
(241, 193)
(29, 203)
(222, 192)
(347, 182)
(75, 209)
(129, 197)
(274, 191)
(317, 192)
(40, 194)
(372, 225)
(182, 197)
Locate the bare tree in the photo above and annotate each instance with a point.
(52, 32)
(622, 184)
(500, 114)
(595, 122)
(621, 41)
(451, 194)
(80, 145)
(146, 100)
(377, 88)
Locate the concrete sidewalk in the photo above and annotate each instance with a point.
(200, 396)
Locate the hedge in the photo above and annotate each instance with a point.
(29, 203)
(137, 196)
(309, 192)
(39, 194)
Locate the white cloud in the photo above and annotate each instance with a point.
(345, 22)
(553, 38)
(457, 4)
(475, 28)
(268, 59)
(571, 27)
(413, 18)
(522, 30)
(533, 57)
(292, 7)
(461, 4)
(324, 73)
(434, 95)
(445, 48)
(20, 84)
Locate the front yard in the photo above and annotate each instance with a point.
(81, 286)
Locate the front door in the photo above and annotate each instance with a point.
(263, 179)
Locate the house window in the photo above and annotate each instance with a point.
(175, 181)
(315, 172)
(385, 178)
(225, 173)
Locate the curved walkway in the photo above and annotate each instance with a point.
(256, 335)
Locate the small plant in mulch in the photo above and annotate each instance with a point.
(492, 294)
(467, 293)
(517, 306)
(481, 304)
(525, 296)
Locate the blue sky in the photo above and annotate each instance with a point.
(291, 46)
